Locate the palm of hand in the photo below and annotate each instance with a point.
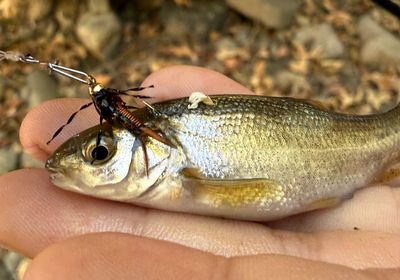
(34, 215)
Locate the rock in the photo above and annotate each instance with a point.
(322, 36)
(226, 48)
(148, 5)
(99, 32)
(8, 160)
(98, 6)
(379, 47)
(197, 21)
(368, 28)
(272, 13)
(4, 274)
(40, 87)
(294, 84)
(22, 268)
(1, 89)
(3, 252)
(39, 9)
(11, 262)
(66, 14)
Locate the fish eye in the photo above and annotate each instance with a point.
(101, 153)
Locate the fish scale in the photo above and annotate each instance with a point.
(246, 157)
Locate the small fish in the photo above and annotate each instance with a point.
(244, 157)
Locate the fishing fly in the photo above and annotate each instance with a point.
(107, 101)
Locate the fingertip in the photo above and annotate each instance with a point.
(182, 80)
(41, 122)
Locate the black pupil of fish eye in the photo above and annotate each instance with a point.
(100, 153)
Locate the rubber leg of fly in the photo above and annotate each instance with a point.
(98, 139)
(69, 121)
(125, 92)
(151, 133)
(145, 156)
(139, 88)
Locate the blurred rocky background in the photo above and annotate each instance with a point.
(344, 53)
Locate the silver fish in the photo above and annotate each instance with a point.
(245, 157)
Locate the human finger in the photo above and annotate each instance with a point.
(116, 256)
(180, 81)
(34, 214)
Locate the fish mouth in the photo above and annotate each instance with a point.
(54, 177)
(55, 171)
(51, 165)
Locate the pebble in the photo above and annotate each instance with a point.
(11, 261)
(291, 83)
(39, 88)
(148, 5)
(1, 89)
(321, 36)
(22, 268)
(226, 48)
(379, 48)
(66, 14)
(206, 16)
(27, 161)
(4, 273)
(98, 6)
(8, 160)
(99, 32)
(272, 13)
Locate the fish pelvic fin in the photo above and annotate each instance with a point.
(389, 175)
(234, 193)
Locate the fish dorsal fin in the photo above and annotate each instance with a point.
(233, 193)
(318, 104)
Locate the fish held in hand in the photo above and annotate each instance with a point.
(244, 157)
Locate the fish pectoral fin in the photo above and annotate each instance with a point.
(234, 193)
(317, 104)
(192, 172)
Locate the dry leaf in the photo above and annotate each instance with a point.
(378, 98)
(227, 53)
(103, 79)
(303, 57)
(231, 63)
(10, 9)
(339, 18)
(329, 5)
(258, 73)
(331, 65)
(281, 51)
(182, 51)
(147, 30)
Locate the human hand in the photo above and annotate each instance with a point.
(53, 226)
